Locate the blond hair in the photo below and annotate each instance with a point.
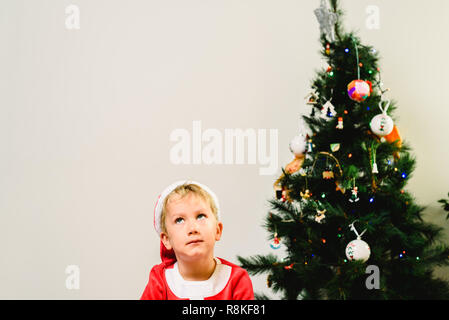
(181, 192)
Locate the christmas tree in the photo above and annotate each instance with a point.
(350, 228)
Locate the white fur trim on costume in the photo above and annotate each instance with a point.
(168, 190)
(198, 290)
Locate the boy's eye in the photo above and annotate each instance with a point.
(179, 220)
(201, 216)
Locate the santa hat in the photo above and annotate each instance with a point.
(168, 256)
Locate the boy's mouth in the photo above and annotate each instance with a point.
(194, 241)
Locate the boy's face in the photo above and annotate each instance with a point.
(192, 228)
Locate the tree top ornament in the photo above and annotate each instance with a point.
(327, 20)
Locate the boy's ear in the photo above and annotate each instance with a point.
(165, 241)
(219, 231)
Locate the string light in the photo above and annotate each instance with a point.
(371, 200)
(346, 50)
(404, 175)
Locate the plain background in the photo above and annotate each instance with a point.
(86, 115)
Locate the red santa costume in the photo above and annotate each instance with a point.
(227, 282)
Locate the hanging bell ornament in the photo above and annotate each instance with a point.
(375, 168)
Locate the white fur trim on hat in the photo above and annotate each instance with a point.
(168, 190)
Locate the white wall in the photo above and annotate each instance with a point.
(86, 116)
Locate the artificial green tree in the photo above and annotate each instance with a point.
(349, 180)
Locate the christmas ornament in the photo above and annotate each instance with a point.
(328, 110)
(320, 215)
(328, 49)
(339, 187)
(372, 156)
(335, 147)
(281, 191)
(298, 145)
(275, 244)
(327, 20)
(306, 194)
(328, 173)
(295, 165)
(289, 267)
(358, 249)
(309, 145)
(359, 90)
(284, 194)
(311, 98)
(394, 136)
(354, 197)
(382, 125)
(340, 123)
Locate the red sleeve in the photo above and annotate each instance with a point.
(243, 287)
(155, 289)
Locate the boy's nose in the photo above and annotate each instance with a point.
(193, 228)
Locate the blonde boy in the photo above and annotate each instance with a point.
(187, 219)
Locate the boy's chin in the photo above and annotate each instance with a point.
(196, 254)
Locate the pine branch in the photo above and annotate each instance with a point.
(258, 264)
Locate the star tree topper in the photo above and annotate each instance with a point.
(327, 20)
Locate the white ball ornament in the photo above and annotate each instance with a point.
(298, 145)
(358, 250)
(382, 124)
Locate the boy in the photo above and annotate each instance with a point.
(186, 217)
